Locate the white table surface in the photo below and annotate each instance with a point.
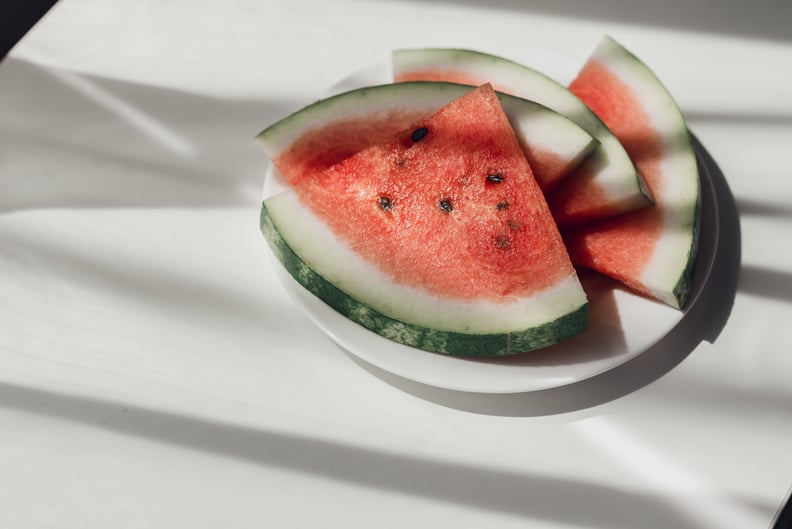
(155, 373)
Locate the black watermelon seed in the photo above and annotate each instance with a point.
(445, 205)
(385, 203)
(419, 134)
(500, 206)
(495, 178)
(503, 242)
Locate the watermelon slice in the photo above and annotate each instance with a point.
(439, 238)
(332, 129)
(654, 250)
(604, 185)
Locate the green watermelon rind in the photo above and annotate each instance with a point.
(683, 286)
(684, 282)
(410, 334)
(671, 287)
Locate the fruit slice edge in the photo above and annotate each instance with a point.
(653, 251)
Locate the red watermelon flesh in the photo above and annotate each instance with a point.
(468, 221)
(623, 246)
(652, 250)
(548, 168)
(326, 145)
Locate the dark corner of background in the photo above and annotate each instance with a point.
(16, 19)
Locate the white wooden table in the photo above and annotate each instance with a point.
(155, 373)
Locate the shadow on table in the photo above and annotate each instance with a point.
(69, 140)
(767, 283)
(702, 322)
(573, 502)
(763, 19)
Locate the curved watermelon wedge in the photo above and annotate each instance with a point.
(332, 129)
(605, 184)
(439, 238)
(654, 250)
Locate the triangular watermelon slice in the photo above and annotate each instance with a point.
(439, 238)
(605, 184)
(654, 250)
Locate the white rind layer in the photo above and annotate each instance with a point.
(681, 189)
(332, 258)
(539, 128)
(519, 80)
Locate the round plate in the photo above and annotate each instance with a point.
(622, 325)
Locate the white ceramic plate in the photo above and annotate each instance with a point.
(621, 325)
